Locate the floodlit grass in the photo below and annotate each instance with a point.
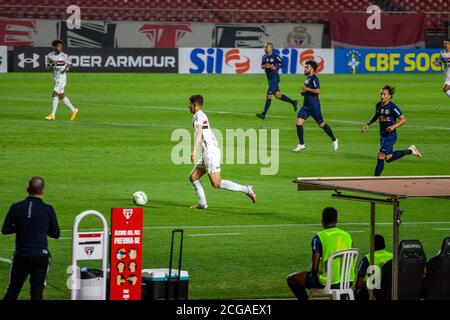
(121, 143)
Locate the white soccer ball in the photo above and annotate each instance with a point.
(140, 198)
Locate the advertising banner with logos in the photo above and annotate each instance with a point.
(142, 34)
(350, 30)
(248, 61)
(3, 59)
(386, 60)
(126, 253)
(102, 60)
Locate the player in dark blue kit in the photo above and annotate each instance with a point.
(387, 113)
(271, 63)
(311, 107)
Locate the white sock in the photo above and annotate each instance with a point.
(232, 186)
(68, 103)
(199, 191)
(55, 102)
(448, 93)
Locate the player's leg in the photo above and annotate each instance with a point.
(194, 177)
(317, 115)
(38, 275)
(446, 88)
(300, 281)
(262, 115)
(55, 101)
(284, 98)
(18, 274)
(386, 150)
(299, 124)
(398, 154)
(66, 100)
(219, 183)
(381, 156)
(302, 116)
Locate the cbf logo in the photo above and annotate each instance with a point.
(213, 60)
(353, 61)
(23, 60)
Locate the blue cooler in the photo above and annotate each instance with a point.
(155, 283)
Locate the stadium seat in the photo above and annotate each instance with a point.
(411, 272)
(178, 10)
(348, 261)
(437, 279)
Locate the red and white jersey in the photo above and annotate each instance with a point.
(444, 58)
(209, 141)
(59, 62)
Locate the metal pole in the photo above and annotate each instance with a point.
(396, 241)
(372, 241)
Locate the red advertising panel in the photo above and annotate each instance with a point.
(126, 253)
(350, 30)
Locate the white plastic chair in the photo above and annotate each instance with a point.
(348, 263)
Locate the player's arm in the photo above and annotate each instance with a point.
(438, 61)
(313, 90)
(197, 140)
(401, 121)
(68, 64)
(368, 123)
(316, 254)
(9, 227)
(48, 63)
(315, 262)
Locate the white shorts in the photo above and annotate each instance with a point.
(60, 83)
(210, 161)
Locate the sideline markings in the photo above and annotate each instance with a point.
(213, 234)
(275, 225)
(5, 260)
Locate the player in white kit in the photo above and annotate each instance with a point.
(444, 60)
(209, 161)
(60, 64)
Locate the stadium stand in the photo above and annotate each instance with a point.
(245, 11)
(411, 272)
(437, 280)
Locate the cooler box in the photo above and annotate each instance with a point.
(154, 284)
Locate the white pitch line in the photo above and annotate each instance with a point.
(441, 229)
(213, 234)
(5, 260)
(216, 111)
(276, 225)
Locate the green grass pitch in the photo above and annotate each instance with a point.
(120, 143)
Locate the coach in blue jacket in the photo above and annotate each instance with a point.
(32, 221)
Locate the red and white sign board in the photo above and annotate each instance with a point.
(126, 253)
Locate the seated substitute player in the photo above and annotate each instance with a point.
(387, 113)
(444, 59)
(209, 161)
(311, 107)
(271, 63)
(60, 64)
(324, 244)
(381, 256)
